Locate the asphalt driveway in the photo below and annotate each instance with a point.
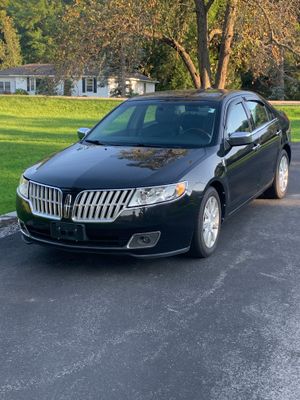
(104, 328)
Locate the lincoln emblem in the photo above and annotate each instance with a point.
(67, 206)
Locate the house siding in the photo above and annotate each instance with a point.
(12, 82)
(78, 86)
(142, 87)
(81, 87)
(21, 83)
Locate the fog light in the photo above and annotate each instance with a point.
(143, 240)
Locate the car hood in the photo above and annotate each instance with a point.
(111, 167)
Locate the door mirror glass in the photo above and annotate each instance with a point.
(240, 138)
(82, 132)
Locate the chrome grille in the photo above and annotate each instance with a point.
(100, 205)
(45, 201)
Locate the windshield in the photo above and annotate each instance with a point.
(158, 124)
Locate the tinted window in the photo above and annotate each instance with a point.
(270, 113)
(258, 112)
(237, 120)
(159, 123)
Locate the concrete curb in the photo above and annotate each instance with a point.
(8, 224)
(9, 216)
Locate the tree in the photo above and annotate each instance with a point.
(98, 36)
(125, 24)
(204, 30)
(268, 42)
(36, 22)
(10, 54)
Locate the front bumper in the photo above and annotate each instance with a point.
(174, 221)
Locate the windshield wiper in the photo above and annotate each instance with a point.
(161, 146)
(94, 141)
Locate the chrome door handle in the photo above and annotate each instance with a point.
(279, 132)
(256, 146)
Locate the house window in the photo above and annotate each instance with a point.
(89, 84)
(145, 87)
(4, 87)
(30, 85)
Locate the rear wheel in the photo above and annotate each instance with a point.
(208, 225)
(280, 184)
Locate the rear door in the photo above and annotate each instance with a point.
(242, 167)
(267, 127)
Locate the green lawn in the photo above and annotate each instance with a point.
(34, 127)
(293, 112)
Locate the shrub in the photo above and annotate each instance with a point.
(21, 92)
(46, 86)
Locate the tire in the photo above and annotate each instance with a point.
(280, 184)
(200, 246)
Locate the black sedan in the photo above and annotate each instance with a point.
(158, 175)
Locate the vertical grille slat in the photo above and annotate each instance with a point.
(45, 201)
(100, 205)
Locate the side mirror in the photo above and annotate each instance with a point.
(240, 138)
(82, 132)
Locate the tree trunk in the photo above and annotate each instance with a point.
(281, 72)
(122, 78)
(225, 50)
(203, 51)
(188, 62)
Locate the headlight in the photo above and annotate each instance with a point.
(157, 194)
(23, 187)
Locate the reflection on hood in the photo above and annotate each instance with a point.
(151, 158)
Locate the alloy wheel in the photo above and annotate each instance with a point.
(283, 173)
(211, 221)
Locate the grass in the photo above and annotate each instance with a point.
(293, 112)
(31, 128)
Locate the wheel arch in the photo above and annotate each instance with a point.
(222, 195)
(287, 148)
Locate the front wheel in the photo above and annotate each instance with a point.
(280, 184)
(208, 225)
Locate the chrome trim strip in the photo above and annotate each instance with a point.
(40, 203)
(109, 250)
(143, 233)
(100, 206)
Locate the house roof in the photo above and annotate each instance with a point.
(141, 77)
(30, 69)
(49, 70)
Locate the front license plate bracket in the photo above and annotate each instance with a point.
(68, 231)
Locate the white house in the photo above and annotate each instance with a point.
(30, 76)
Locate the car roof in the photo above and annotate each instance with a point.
(193, 94)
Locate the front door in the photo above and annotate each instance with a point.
(242, 168)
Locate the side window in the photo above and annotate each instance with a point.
(258, 112)
(150, 114)
(270, 113)
(237, 120)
